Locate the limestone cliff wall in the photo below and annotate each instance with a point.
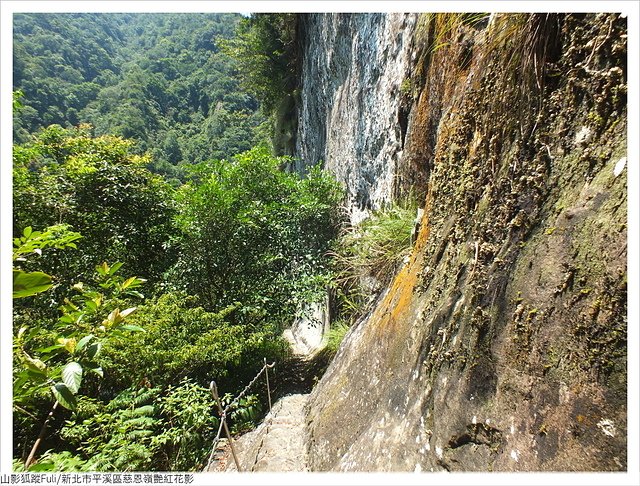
(501, 344)
(351, 104)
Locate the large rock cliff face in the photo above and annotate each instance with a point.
(501, 344)
(350, 113)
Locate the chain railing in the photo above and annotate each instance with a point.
(224, 410)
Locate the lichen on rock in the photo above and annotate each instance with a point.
(501, 344)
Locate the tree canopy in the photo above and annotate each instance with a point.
(158, 79)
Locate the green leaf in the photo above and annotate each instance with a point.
(114, 317)
(144, 410)
(128, 311)
(94, 349)
(132, 327)
(29, 283)
(67, 319)
(48, 349)
(135, 293)
(70, 306)
(90, 365)
(68, 343)
(114, 268)
(98, 371)
(102, 269)
(35, 365)
(27, 231)
(35, 378)
(64, 396)
(21, 332)
(43, 466)
(91, 305)
(129, 282)
(83, 342)
(72, 376)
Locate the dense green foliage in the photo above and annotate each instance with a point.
(139, 429)
(145, 427)
(265, 46)
(252, 232)
(182, 339)
(157, 79)
(98, 186)
(249, 242)
(58, 61)
(52, 358)
(25, 283)
(156, 247)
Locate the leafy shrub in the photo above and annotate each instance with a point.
(249, 231)
(146, 429)
(103, 189)
(30, 243)
(50, 461)
(188, 426)
(182, 339)
(52, 364)
(120, 436)
(255, 234)
(243, 413)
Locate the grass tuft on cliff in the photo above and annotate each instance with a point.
(367, 256)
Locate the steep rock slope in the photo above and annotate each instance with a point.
(351, 113)
(501, 344)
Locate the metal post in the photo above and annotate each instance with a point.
(214, 392)
(266, 372)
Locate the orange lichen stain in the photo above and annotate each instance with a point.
(423, 234)
(395, 307)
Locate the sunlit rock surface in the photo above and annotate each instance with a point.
(353, 69)
(501, 344)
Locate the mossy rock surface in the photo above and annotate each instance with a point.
(501, 344)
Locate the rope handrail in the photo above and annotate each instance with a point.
(223, 411)
(246, 388)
